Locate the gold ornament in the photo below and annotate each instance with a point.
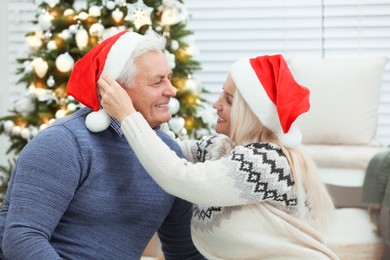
(189, 122)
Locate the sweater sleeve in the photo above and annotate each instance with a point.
(207, 148)
(175, 233)
(245, 176)
(43, 184)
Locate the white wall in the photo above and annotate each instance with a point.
(15, 21)
(4, 104)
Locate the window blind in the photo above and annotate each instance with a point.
(356, 28)
(226, 30)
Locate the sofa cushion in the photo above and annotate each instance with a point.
(344, 99)
(343, 156)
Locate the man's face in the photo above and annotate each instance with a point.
(152, 88)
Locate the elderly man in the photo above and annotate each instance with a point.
(78, 191)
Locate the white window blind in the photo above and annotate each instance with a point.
(356, 28)
(20, 16)
(227, 29)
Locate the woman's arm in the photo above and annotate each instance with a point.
(235, 179)
(247, 175)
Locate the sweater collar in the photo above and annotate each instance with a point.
(116, 125)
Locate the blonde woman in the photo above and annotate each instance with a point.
(256, 194)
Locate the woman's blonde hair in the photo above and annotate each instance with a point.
(246, 128)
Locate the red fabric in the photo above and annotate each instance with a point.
(86, 72)
(290, 98)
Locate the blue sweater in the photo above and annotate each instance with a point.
(75, 194)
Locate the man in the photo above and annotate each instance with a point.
(78, 191)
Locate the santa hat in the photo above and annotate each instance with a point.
(108, 57)
(269, 88)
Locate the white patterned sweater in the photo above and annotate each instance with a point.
(244, 202)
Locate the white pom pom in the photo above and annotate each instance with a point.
(97, 121)
(291, 139)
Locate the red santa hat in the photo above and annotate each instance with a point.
(108, 57)
(268, 86)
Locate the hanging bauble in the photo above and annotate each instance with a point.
(176, 124)
(65, 34)
(82, 38)
(60, 113)
(43, 95)
(193, 86)
(43, 126)
(16, 131)
(110, 5)
(139, 14)
(71, 107)
(25, 133)
(64, 62)
(190, 99)
(120, 2)
(94, 11)
(117, 15)
(80, 5)
(52, 3)
(33, 42)
(34, 131)
(96, 29)
(40, 67)
(44, 20)
(73, 28)
(170, 58)
(50, 81)
(173, 12)
(47, 35)
(24, 105)
(51, 45)
(189, 122)
(174, 45)
(83, 16)
(68, 11)
(174, 106)
(8, 126)
(179, 82)
(207, 113)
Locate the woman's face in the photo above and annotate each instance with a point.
(223, 106)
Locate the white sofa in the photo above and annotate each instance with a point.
(339, 133)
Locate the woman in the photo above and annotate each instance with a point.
(256, 194)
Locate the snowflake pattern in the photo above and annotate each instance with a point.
(262, 174)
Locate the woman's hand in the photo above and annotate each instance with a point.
(114, 99)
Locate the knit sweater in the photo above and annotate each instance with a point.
(246, 205)
(75, 194)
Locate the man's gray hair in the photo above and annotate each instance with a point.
(151, 42)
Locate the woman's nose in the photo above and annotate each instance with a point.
(216, 105)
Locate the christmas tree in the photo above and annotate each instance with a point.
(66, 30)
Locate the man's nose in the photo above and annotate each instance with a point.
(169, 89)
